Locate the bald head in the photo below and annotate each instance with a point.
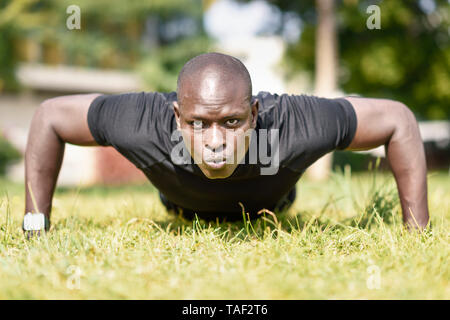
(214, 111)
(214, 74)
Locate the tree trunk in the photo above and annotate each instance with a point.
(326, 70)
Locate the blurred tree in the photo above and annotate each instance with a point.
(11, 15)
(160, 70)
(408, 59)
(113, 34)
(325, 70)
(8, 155)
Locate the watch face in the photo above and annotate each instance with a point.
(34, 221)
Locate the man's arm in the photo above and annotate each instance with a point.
(55, 122)
(392, 124)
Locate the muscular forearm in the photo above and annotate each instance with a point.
(405, 153)
(43, 157)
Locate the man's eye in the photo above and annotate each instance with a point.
(197, 124)
(232, 122)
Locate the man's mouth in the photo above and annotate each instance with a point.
(215, 163)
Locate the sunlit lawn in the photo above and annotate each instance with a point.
(119, 242)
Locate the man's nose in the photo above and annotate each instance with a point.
(215, 140)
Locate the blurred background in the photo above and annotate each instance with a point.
(398, 50)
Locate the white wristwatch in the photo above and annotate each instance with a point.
(35, 222)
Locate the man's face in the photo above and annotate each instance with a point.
(216, 120)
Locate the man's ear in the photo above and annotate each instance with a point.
(255, 107)
(176, 110)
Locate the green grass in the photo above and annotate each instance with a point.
(338, 239)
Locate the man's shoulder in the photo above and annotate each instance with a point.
(159, 97)
(273, 103)
(168, 96)
(267, 99)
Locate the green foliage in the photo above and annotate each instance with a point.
(408, 59)
(357, 161)
(113, 33)
(8, 61)
(160, 69)
(8, 154)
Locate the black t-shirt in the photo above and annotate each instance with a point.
(141, 126)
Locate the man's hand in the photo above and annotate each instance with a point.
(392, 124)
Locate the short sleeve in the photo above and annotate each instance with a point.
(132, 123)
(314, 127)
(112, 117)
